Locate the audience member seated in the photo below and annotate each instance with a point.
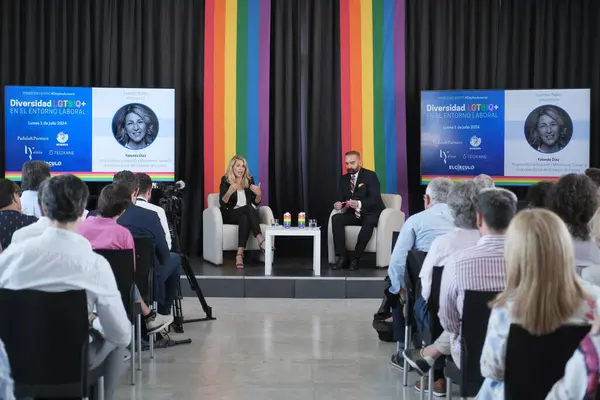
(143, 200)
(480, 267)
(146, 223)
(32, 175)
(104, 233)
(59, 260)
(6, 382)
(484, 181)
(594, 175)
(573, 198)
(582, 371)
(595, 227)
(11, 217)
(238, 198)
(462, 201)
(537, 194)
(418, 232)
(38, 227)
(542, 293)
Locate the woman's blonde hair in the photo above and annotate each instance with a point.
(231, 176)
(595, 227)
(540, 272)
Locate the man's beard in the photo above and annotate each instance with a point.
(351, 171)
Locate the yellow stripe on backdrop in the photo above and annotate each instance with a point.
(230, 78)
(368, 139)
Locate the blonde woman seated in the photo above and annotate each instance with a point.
(542, 293)
(239, 197)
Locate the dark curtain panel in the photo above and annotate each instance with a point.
(450, 44)
(125, 43)
(553, 44)
(305, 112)
(499, 44)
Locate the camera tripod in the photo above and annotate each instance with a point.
(173, 208)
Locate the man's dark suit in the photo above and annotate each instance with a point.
(367, 191)
(145, 223)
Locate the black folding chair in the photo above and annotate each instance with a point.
(535, 363)
(435, 327)
(122, 265)
(414, 262)
(46, 335)
(144, 276)
(476, 313)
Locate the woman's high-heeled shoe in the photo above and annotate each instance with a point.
(239, 265)
(261, 246)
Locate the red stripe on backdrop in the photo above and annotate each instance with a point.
(219, 94)
(209, 48)
(345, 76)
(355, 76)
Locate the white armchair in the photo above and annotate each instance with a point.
(390, 220)
(219, 237)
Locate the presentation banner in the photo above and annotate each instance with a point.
(91, 132)
(518, 137)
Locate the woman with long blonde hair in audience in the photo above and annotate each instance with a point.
(543, 291)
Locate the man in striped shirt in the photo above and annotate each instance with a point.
(481, 267)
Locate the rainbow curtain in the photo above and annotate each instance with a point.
(373, 89)
(236, 88)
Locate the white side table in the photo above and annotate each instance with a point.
(273, 231)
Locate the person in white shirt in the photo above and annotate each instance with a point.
(59, 260)
(462, 201)
(143, 200)
(33, 174)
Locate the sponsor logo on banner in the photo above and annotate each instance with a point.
(475, 157)
(446, 155)
(61, 152)
(32, 138)
(62, 139)
(30, 151)
(475, 142)
(438, 142)
(460, 167)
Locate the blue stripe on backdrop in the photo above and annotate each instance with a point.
(253, 78)
(389, 97)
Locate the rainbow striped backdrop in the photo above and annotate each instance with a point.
(372, 86)
(499, 180)
(236, 89)
(97, 176)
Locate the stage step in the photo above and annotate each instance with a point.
(287, 287)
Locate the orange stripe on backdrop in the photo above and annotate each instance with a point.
(355, 76)
(219, 93)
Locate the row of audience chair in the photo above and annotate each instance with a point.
(533, 363)
(46, 335)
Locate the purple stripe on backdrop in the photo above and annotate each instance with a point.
(263, 98)
(400, 89)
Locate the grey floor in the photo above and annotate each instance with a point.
(280, 349)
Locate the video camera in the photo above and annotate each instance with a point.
(170, 196)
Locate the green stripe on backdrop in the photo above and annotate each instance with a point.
(378, 103)
(242, 80)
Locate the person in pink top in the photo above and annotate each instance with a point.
(104, 233)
